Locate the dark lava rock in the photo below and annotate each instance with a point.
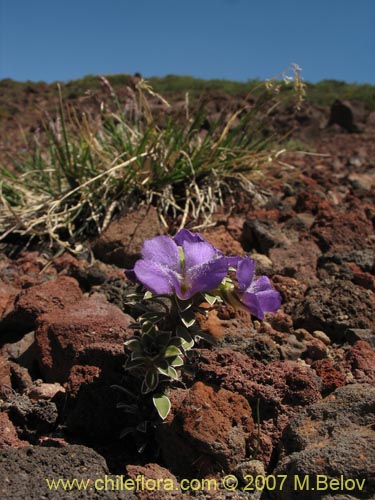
(334, 306)
(29, 417)
(117, 290)
(90, 409)
(355, 334)
(334, 438)
(342, 114)
(364, 258)
(264, 235)
(25, 472)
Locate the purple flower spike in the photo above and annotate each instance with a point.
(185, 265)
(258, 295)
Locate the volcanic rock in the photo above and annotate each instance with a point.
(25, 472)
(210, 428)
(335, 438)
(90, 331)
(121, 243)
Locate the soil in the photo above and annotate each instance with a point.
(292, 395)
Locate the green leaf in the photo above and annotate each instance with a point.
(171, 351)
(134, 344)
(211, 299)
(172, 373)
(177, 341)
(162, 405)
(148, 342)
(134, 363)
(137, 355)
(184, 305)
(150, 381)
(184, 334)
(152, 317)
(178, 361)
(163, 370)
(206, 336)
(162, 364)
(141, 447)
(147, 327)
(124, 389)
(188, 318)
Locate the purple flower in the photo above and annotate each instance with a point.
(184, 265)
(257, 296)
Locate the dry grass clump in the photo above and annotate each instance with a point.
(68, 184)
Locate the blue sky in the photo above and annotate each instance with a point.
(231, 39)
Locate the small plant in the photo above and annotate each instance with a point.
(178, 275)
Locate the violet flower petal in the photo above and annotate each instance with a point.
(186, 235)
(260, 297)
(207, 276)
(245, 272)
(162, 250)
(155, 277)
(197, 253)
(233, 261)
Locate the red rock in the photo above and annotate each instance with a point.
(12, 377)
(297, 261)
(220, 238)
(280, 388)
(331, 377)
(45, 298)
(281, 321)
(81, 375)
(316, 349)
(334, 306)
(7, 295)
(210, 429)
(338, 231)
(66, 262)
(292, 291)
(361, 361)
(20, 377)
(153, 474)
(312, 200)
(91, 401)
(8, 434)
(90, 331)
(361, 278)
(121, 243)
(210, 321)
(5, 377)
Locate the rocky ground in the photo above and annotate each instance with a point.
(291, 396)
